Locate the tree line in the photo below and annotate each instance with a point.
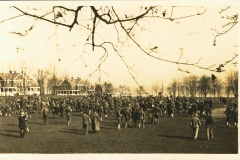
(202, 86)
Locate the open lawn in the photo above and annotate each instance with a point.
(172, 135)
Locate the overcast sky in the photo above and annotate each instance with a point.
(193, 35)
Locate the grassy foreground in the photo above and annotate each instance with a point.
(172, 135)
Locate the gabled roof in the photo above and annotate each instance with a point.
(13, 76)
(64, 83)
(74, 82)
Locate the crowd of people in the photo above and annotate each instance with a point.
(94, 108)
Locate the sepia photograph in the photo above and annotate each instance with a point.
(118, 79)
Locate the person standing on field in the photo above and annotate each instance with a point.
(195, 124)
(68, 114)
(86, 121)
(128, 116)
(235, 117)
(22, 124)
(228, 113)
(209, 126)
(95, 121)
(45, 111)
(141, 118)
(135, 116)
(207, 110)
(119, 118)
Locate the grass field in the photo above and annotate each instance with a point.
(172, 135)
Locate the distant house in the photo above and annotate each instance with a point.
(71, 87)
(91, 89)
(108, 88)
(103, 89)
(74, 83)
(124, 90)
(14, 83)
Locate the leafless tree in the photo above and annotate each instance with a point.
(85, 85)
(204, 85)
(26, 69)
(52, 78)
(140, 91)
(156, 87)
(127, 25)
(228, 90)
(40, 77)
(65, 74)
(185, 86)
(218, 85)
(232, 81)
(192, 85)
(173, 87)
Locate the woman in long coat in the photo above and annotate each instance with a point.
(95, 118)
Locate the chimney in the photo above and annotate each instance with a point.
(14, 71)
(10, 72)
(72, 77)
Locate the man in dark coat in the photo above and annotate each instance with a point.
(135, 116)
(235, 117)
(228, 113)
(194, 108)
(22, 124)
(207, 110)
(209, 125)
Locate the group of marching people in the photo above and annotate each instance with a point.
(13, 106)
(94, 108)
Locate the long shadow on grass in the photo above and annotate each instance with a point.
(175, 136)
(10, 124)
(60, 123)
(9, 135)
(35, 123)
(105, 127)
(115, 125)
(10, 130)
(72, 131)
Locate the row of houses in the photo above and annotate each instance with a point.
(14, 83)
(78, 87)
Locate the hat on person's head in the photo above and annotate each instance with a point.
(22, 113)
